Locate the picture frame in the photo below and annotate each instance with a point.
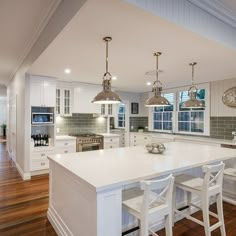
(134, 108)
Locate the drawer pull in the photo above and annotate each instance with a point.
(111, 140)
(43, 154)
(145, 138)
(110, 146)
(65, 144)
(66, 151)
(43, 163)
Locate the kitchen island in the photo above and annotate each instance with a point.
(86, 188)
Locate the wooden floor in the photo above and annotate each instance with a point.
(23, 206)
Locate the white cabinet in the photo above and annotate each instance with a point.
(111, 142)
(121, 133)
(137, 139)
(83, 96)
(108, 110)
(64, 101)
(42, 92)
(39, 159)
(65, 146)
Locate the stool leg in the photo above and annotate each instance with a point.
(168, 224)
(219, 204)
(173, 205)
(205, 211)
(189, 200)
(144, 227)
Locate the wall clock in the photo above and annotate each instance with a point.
(229, 97)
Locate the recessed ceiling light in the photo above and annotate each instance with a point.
(114, 78)
(149, 83)
(67, 71)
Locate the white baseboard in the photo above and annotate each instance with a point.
(39, 172)
(57, 223)
(24, 176)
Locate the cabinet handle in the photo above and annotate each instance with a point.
(42, 154)
(43, 164)
(145, 138)
(65, 144)
(110, 146)
(111, 140)
(135, 141)
(134, 136)
(66, 151)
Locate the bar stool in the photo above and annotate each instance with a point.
(153, 204)
(210, 185)
(230, 174)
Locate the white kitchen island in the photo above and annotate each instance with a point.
(86, 188)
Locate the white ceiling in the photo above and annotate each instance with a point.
(20, 23)
(229, 4)
(136, 35)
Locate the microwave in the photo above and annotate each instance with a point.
(42, 118)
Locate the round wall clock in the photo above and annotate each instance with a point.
(229, 97)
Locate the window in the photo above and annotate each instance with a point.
(162, 116)
(191, 120)
(178, 119)
(121, 115)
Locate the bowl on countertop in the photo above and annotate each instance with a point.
(156, 148)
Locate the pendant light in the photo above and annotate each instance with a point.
(157, 100)
(193, 102)
(107, 96)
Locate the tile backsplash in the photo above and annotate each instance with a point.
(222, 127)
(136, 122)
(81, 123)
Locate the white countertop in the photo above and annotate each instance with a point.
(106, 169)
(109, 135)
(176, 137)
(65, 137)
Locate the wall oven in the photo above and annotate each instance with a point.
(42, 118)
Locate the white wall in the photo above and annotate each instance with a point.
(217, 90)
(17, 88)
(135, 97)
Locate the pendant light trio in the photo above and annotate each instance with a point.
(107, 96)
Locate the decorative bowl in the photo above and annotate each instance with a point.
(156, 148)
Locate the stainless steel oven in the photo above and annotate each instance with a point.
(88, 142)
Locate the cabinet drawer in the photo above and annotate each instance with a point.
(39, 164)
(41, 154)
(111, 145)
(64, 143)
(112, 140)
(65, 150)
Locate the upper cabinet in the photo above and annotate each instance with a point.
(63, 101)
(42, 91)
(83, 96)
(108, 109)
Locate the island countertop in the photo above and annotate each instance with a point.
(106, 169)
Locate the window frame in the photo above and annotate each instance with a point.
(176, 91)
(124, 116)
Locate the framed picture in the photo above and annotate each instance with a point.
(134, 108)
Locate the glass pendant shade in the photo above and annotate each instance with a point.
(193, 102)
(157, 100)
(107, 96)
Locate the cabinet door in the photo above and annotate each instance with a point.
(36, 94)
(109, 109)
(58, 101)
(67, 109)
(49, 94)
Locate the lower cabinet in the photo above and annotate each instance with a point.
(39, 160)
(111, 142)
(139, 139)
(38, 156)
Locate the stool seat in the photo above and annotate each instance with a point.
(189, 181)
(135, 205)
(230, 172)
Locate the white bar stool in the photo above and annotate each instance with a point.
(210, 185)
(153, 204)
(230, 174)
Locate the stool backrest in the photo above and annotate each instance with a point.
(150, 199)
(213, 175)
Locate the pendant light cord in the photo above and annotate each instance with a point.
(106, 56)
(192, 65)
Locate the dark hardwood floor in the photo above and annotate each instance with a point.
(23, 206)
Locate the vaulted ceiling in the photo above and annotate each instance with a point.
(136, 35)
